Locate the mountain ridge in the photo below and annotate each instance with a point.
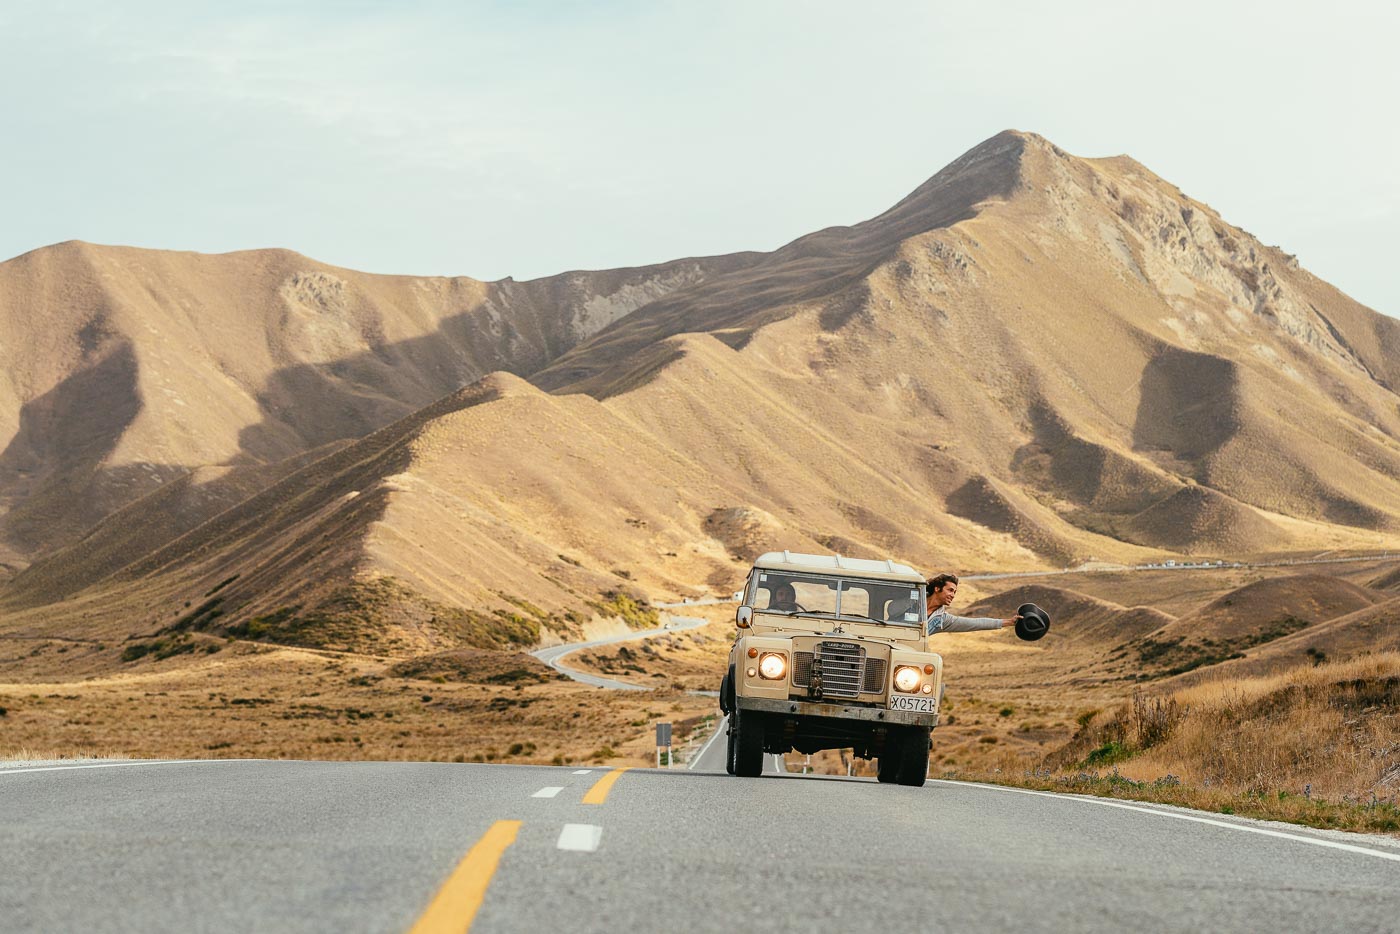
(186, 360)
(1031, 361)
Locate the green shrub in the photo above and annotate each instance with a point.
(1107, 754)
(158, 648)
(637, 614)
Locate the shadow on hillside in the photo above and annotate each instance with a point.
(51, 472)
(1189, 404)
(810, 269)
(307, 405)
(517, 328)
(70, 515)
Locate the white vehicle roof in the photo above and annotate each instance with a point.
(837, 564)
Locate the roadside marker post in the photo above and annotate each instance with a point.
(663, 738)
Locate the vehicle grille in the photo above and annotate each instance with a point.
(874, 676)
(801, 669)
(840, 666)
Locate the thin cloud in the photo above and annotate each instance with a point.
(525, 139)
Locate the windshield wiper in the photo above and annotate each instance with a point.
(847, 616)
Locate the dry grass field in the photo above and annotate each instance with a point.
(1313, 740)
(258, 701)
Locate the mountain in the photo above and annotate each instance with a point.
(1033, 360)
(124, 370)
(1080, 331)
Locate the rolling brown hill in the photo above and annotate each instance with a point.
(1032, 361)
(1370, 630)
(1275, 618)
(1260, 628)
(1308, 598)
(1078, 620)
(122, 369)
(1387, 581)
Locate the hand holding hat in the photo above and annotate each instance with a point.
(1031, 622)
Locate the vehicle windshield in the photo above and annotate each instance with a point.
(887, 602)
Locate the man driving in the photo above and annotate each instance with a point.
(784, 599)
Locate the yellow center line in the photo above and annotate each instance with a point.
(457, 902)
(599, 792)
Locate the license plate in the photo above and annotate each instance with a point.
(911, 702)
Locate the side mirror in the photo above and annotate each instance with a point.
(743, 617)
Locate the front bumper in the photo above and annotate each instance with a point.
(837, 711)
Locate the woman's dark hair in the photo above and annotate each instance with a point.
(936, 583)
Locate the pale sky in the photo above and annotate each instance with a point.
(525, 139)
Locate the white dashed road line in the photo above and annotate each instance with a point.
(583, 838)
(582, 771)
(548, 792)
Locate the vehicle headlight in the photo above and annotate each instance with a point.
(906, 679)
(772, 666)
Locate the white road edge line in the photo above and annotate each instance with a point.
(706, 748)
(583, 838)
(1332, 844)
(548, 791)
(113, 765)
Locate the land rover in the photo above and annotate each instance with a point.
(831, 654)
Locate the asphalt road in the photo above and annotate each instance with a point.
(554, 655)
(322, 846)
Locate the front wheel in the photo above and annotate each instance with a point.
(887, 766)
(913, 759)
(746, 739)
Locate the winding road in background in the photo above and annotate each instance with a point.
(553, 655)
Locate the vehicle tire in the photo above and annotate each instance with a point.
(913, 761)
(887, 766)
(748, 743)
(730, 746)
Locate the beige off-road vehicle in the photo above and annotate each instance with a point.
(831, 654)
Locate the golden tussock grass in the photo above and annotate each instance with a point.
(1316, 745)
(46, 754)
(1334, 727)
(260, 702)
